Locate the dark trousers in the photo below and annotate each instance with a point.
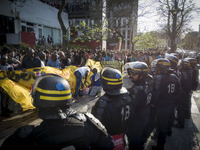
(163, 120)
(187, 105)
(150, 126)
(171, 121)
(78, 82)
(136, 128)
(179, 109)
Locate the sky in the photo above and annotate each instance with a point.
(150, 21)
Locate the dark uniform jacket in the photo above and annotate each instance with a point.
(141, 94)
(195, 78)
(113, 112)
(185, 77)
(166, 89)
(80, 131)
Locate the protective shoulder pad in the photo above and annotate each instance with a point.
(81, 117)
(185, 75)
(24, 131)
(102, 102)
(174, 76)
(157, 82)
(96, 122)
(135, 90)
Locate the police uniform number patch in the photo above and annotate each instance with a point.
(125, 112)
(171, 88)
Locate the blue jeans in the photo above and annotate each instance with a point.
(78, 82)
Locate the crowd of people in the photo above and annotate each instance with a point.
(57, 58)
(121, 118)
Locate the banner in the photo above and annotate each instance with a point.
(17, 93)
(116, 64)
(18, 84)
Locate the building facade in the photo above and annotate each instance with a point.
(32, 18)
(121, 18)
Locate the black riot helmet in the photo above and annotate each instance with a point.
(139, 68)
(192, 61)
(184, 64)
(176, 54)
(173, 60)
(112, 80)
(51, 91)
(162, 65)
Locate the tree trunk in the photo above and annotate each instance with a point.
(64, 30)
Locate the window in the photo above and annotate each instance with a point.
(29, 29)
(24, 28)
(29, 24)
(40, 32)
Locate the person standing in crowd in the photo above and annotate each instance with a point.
(62, 127)
(140, 94)
(49, 40)
(173, 62)
(114, 108)
(77, 58)
(63, 60)
(178, 103)
(165, 91)
(195, 73)
(42, 57)
(54, 62)
(95, 83)
(141, 57)
(5, 98)
(83, 58)
(98, 57)
(4, 64)
(13, 61)
(30, 61)
(185, 75)
(80, 73)
(158, 55)
(43, 42)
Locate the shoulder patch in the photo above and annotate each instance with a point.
(101, 102)
(157, 82)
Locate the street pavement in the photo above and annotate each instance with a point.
(181, 139)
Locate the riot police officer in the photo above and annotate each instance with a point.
(140, 94)
(114, 107)
(185, 75)
(195, 73)
(61, 126)
(165, 90)
(173, 62)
